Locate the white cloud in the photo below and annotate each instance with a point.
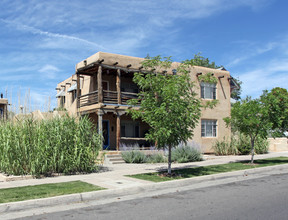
(50, 34)
(253, 51)
(273, 74)
(49, 71)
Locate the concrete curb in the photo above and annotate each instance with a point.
(14, 178)
(115, 193)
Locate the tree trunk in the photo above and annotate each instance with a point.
(252, 150)
(169, 159)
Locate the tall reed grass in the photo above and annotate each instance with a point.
(60, 145)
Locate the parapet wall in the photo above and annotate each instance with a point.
(278, 144)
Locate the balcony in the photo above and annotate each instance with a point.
(109, 97)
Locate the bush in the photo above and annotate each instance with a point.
(60, 145)
(240, 145)
(134, 156)
(225, 147)
(156, 158)
(185, 153)
(262, 146)
(244, 145)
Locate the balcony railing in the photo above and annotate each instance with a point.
(109, 97)
(88, 99)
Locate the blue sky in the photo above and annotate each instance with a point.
(41, 41)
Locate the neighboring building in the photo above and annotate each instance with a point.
(103, 83)
(3, 108)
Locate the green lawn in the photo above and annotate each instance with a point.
(208, 170)
(45, 190)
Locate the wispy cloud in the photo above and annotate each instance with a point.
(49, 71)
(253, 51)
(50, 34)
(273, 74)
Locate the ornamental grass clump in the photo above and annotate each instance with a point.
(225, 147)
(60, 145)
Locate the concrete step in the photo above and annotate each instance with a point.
(114, 159)
(113, 156)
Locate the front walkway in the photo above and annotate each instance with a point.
(113, 176)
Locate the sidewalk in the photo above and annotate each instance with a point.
(113, 176)
(122, 188)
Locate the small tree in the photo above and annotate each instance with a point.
(277, 103)
(168, 104)
(250, 117)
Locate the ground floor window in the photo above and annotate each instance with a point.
(130, 129)
(208, 128)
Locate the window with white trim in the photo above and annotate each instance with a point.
(208, 90)
(208, 128)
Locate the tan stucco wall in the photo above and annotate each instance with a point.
(220, 111)
(66, 84)
(278, 144)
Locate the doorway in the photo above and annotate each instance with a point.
(105, 127)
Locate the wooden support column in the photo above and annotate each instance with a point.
(99, 85)
(100, 127)
(78, 92)
(118, 86)
(118, 131)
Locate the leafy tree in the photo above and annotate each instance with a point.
(168, 103)
(277, 103)
(199, 60)
(250, 117)
(236, 93)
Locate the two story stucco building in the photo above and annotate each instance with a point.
(103, 84)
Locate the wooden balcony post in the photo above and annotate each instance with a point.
(99, 84)
(118, 131)
(118, 86)
(78, 92)
(100, 126)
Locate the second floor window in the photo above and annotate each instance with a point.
(208, 90)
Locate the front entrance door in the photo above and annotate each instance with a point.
(105, 127)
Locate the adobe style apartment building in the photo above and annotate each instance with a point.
(103, 84)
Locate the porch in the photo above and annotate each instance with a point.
(120, 130)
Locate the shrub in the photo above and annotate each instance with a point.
(240, 144)
(134, 156)
(185, 153)
(244, 145)
(156, 158)
(225, 147)
(60, 145)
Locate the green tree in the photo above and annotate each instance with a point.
(168, 103)
(236, 93)
(199, 60)
(277, 103)
(250, 117)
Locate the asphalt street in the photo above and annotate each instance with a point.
(261, 198)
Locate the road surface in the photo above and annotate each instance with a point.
(262, 198)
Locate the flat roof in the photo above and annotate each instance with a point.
(129, 62)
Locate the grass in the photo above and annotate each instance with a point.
(45, 190)
(208, 170)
